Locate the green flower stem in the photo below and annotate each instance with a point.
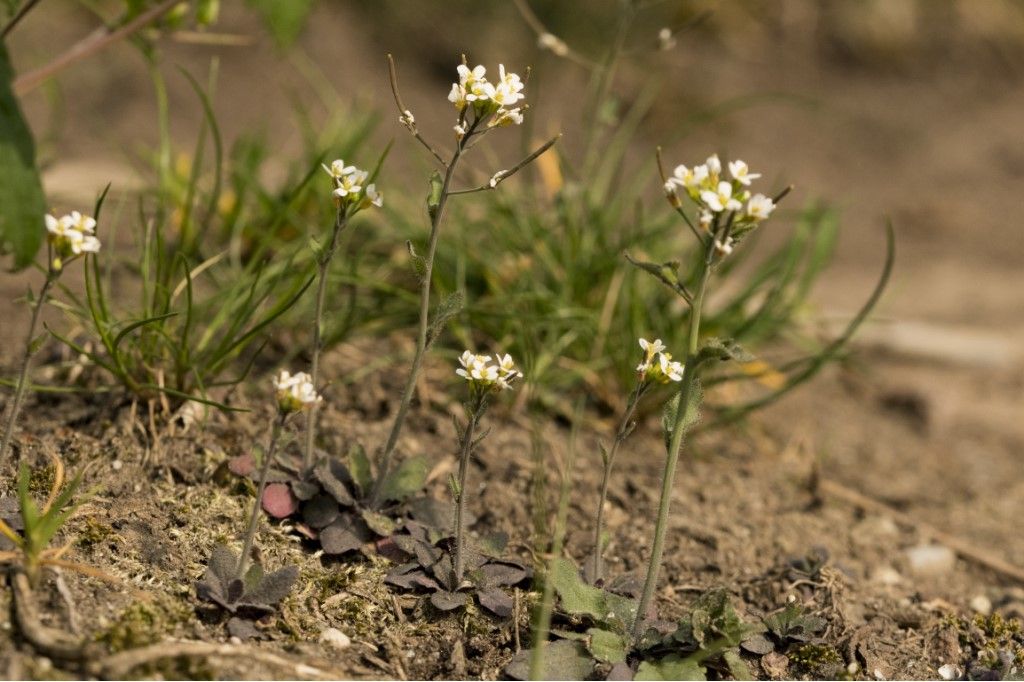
(26, 361)
(620, 436)
(323, 270)
(465, 452)
(436, 217)
(672, 458)
(268, 460)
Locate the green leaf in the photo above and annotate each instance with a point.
(672, 667)
(737, 666)
(606, 646)
(562, 660)
(283, 18)
(360, 468)
(379, 523)
(37, 343)
(667, 273)
(579, 598)
(22, 204)
(408, 479)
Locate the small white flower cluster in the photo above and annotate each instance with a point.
(715, 195)
(657, 365)
(295, 392)
(486, 98)
(71, 235)
(484, 374)
(350, 186)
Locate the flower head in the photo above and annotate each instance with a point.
(70, 236)
(486, 98)
(295, 392)
(721, 198)
(350, 186)
(486, 375)
(724, 248)
(657, 365)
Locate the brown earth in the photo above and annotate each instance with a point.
(921, 127)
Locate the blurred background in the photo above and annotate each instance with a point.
(909, 110)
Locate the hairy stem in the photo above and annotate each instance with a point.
(268, 460)
(26, 361)
(672, 457)
(460, 501)
(323, 270)
(620, 436)
(384, 464)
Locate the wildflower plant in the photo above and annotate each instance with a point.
(481, 106)
(352, 192)
(485, 377)
(68, 238)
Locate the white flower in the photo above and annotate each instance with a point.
(505, 117)
(373, 196)
(687, 177)
(651, 348)
(507, 372)
(724, 248)
(460, 131)
(83, 223)
(350, 183)
(722, 199)
(705, 219)
(295, 392)
(509, 89)
(408, 120)
(714, 166)
(496, 178)
(547, 41)
(338, 169)
(82, 243)
(760, 207)
(670, 369)
(740, 172)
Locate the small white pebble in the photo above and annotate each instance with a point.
(982, 604)
(949, 672)
(235, 640)
(335, 639)
(879, 675)
(931, 560)
(117, 464)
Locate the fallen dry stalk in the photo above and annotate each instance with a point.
(963, 548)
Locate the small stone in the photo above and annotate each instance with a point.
(775, 665)
(949, 672)
(982, 604)
(117, 464)
(931, 560)
(886, 575)
(335, 639)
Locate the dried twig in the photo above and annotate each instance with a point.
(48, 641)
(966, 550)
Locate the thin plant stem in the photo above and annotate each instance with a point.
(465, 452)
(620, 436)
(323, 270)
(436, 217)
(672, 458)
(542, 619)
(26, 361)
(16, 19)
(268, 460)
(93, 43)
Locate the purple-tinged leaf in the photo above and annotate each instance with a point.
(448, 601)
(278, 501)
(496, 600)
